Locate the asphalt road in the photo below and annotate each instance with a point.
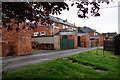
(17, 62)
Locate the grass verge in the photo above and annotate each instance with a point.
(87, 65)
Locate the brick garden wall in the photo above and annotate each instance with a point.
(85, 41)
(108, 45)
(76, 40)
(19, 42)
(55, 40)
(101, 40)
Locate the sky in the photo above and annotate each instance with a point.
(107, 22)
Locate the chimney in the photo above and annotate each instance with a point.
(66, 20)
(74, 24)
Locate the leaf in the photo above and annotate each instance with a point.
(72, 4)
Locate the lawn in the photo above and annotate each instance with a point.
(87, 65)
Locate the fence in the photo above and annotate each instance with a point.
(109, 45)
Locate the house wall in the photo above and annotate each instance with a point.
(19, 42)
(4, 49)
(95, 42)
(91, 33)
(44, 39)
(101, 40)
(56, 30)
(58, 24)
(55, 40)
(47, 30)
(76, 40)
(85, 41)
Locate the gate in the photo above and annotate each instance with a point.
(66, 43)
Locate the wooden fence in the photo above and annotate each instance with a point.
(109, 45)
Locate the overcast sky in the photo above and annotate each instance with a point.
(107, 22)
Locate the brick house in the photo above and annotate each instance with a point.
(90, 37)
(16, 43)
(83, 40)
(109, 35)
(58, 27)
(90, 31)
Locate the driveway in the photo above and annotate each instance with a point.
(17, 62)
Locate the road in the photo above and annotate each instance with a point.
(17, 62)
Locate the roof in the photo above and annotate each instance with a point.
(55, 26)
(94, 37)
(86, 29)
(82, 34)
(59, 20)
(109, 34)
(65, 33)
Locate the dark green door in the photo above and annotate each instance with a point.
(66, 43)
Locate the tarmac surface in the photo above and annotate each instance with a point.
(17, 62)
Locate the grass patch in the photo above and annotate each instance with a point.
(78, 66)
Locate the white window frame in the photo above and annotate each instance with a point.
(63, 26)
(42, 34)
(35, 33)
(75, 29)
(66, 26)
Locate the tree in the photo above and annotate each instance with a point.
(83, 6)
(32, 11)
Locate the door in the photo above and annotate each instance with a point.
(66, 43)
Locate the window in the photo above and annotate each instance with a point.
(35, 33)
(53, 24)
(74, 28)
(63, 26)
(42, 33)
(66, 26)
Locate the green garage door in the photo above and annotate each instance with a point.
(66, 43)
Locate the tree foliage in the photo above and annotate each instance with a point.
(83, 6)
(32, 11)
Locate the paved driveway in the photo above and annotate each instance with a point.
(17, 62)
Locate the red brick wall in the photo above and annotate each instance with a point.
(47, 30)
(70, 36)
(76, 40)
(4, 47)
(56, 30)
(19, 42)
(59, 25)
(101, 40)
(59, 41)
(91, 33)
(85, 41)
(82, 41)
